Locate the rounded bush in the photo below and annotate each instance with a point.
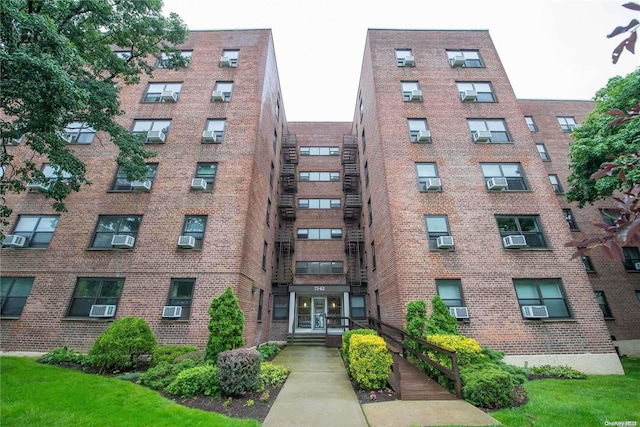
(169, 353)
(122, 344)
(199, 379)
(273, 375)
(163, 374)
(487, 386)
(239, 371)
(346, 337)
(370, 362)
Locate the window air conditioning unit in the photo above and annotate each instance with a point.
(514, 241)
(482, 136)
(433, 184)
(637, 265)
(459, 312)
(218, 95)
(535, 311)
(38, 186)
(172, 311)
(457, 61)
(444, 242)
(102, 311)
(209, 136)
(187, 242)
(416, 95)
(225, 61)
(169, 96)
(497, 184)
(14, 241)
(198, 184)
(156, 136)
(66, 137)
(424, 136)
(12, 141)
(409, 61)
(123, 241)
(141, 185)
(469, 95)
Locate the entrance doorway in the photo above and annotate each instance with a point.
(314, 313)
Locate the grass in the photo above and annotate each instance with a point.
(32, 394)
(588, 402)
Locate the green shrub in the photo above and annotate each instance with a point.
(519, 375)
(199, 379)
(468, 351)
(370, 361)
(487, 386)
(122, 345)
(226, 325)
(196, 356)
(64, 355)
(441, 321)
(562, 371)
(416, 318)
(169, 353)
(346, 338)
(273, 375)
(268, 350)
(238, 371)
(163, 374)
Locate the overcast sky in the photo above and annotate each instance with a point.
(551, 49)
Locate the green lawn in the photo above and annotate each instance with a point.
(590, 402)
(32, 394)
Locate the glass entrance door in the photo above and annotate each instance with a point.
(319, 313)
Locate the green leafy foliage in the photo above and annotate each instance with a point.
(558, 371)
(416, 318)
(468, 351)
(346, 339)
(169, 353)
(199, 379)
(58, 66)
(370, 361)
(122, 344)
(268, 350)
(441, 321)
(64, 355)
(164, 373)
(196, 356)
(239, 371)
(226, 325)
(273, 375)
(487, 386)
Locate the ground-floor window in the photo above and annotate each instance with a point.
(358, 307)
(280, 307)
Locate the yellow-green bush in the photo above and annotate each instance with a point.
(370, 361)
(468, 351)
(346, 336)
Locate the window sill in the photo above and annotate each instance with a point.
(111, 249)
(280, 321)
(539, 321)
(88, 319)
(592, 272)
(169, 321)
(9, 317)
(610, 318)
(633, 271)
(528, 250)
(494, 143)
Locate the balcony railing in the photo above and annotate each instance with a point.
(286, 207)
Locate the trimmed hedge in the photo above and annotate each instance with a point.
(468, 351)
(160, 376)
(273, 375)
(169, 353)
(487, 386)
(239, 371)
(199, 379)
(346, 337)
(370, 361)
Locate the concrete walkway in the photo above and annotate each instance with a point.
(318, 393)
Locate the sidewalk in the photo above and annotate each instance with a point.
(318, 393)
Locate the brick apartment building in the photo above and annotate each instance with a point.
(437, 186)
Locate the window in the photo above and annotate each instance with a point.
(567, 123)
(320, 176)
(361, 109)
(152, 131)
(229, 58)
(260, 300)
(319, 203)
(94, 291)
(364, 141)
(609, 216)
(418, 130)
(411, 91)
(215, 126)
(555, 183)
(272, 174)
(277, 110)
(207, 171)
(319, 151)
(531, 123)
(476, 92)
(522, 225)
(547, 292)
(265, 251)
(166, 62)
(631, 258)
(123, 54)
(426, 171)
(319, 233)
(358, 307)
(542, 150)
(14, 292)
(112, 225)
(450, 290)
(377, 295)
(374, 264)
(370, 210)
(404, 58)
(602, 302)
(275, 140)
(280, 307)
(162, 92)
(568, 215)
(38, 230)
(268, 215)
(471, 58)
(194, 226)
(319, 267)
(437, 225)
(496, 127)
(51, 173)
(512, 172)
(181, 294)
(366, 174)
(588, 264)
(122, 183)
(222, 91)
(79, 133)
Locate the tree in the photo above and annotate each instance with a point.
(441, 321)
(58, 67)
(226, 325)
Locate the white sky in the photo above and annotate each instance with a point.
(551, 49)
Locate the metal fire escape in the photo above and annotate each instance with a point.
(354, 242)
(283, 271)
